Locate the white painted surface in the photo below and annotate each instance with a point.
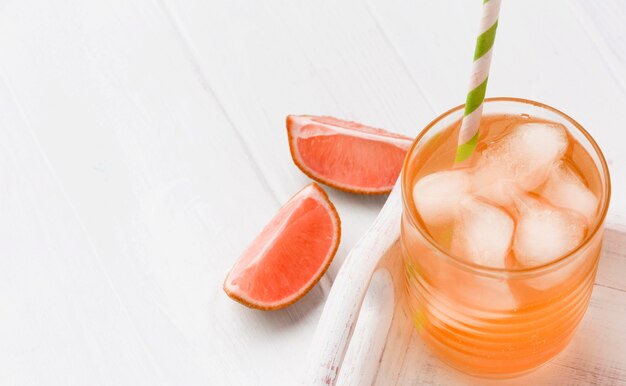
(360, 364)
(142, 145)
(344, 304)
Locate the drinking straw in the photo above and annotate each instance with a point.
(468, 135)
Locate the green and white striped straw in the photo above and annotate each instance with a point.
(468, 136)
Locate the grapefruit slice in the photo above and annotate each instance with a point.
(290, 254)
(346, 155)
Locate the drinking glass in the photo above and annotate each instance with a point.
(497, 322)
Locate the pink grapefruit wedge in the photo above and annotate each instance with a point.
(346, 155)
(290, 254)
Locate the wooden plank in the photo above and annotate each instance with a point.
(612, 266)
(603, 22)
(63, 321)
(334, 332)
(127, 221)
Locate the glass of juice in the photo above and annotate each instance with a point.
(500, 252)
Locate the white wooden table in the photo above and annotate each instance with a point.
(142, 145)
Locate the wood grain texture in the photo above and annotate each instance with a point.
(142, 145)
(360, 364)
(343, 306)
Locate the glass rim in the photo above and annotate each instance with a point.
(473, 267)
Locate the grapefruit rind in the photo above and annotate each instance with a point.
(296, 122)
(235, 293)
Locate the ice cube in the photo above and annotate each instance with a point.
(524, 157)
(437, 195)
(482, 234)
(565, 189)
(545, 233)
(499, 192)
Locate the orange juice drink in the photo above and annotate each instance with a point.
(501, 251)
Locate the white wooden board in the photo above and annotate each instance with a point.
(142, 145)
